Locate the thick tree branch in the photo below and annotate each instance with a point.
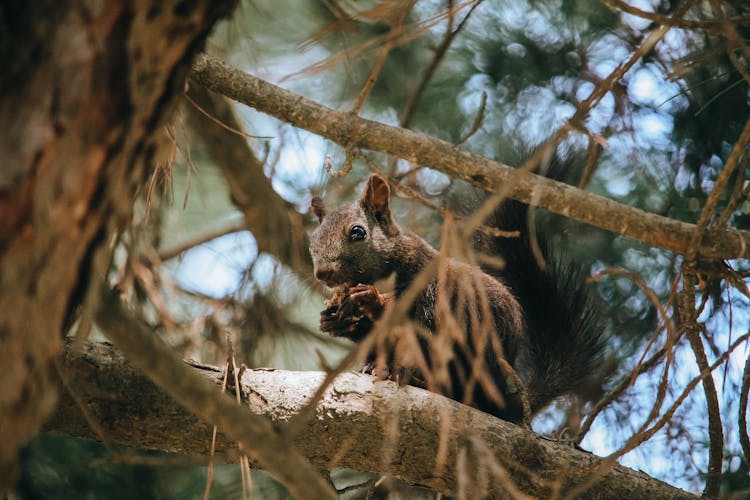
(348, 429)
(352, 131)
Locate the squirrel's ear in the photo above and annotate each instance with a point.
(377, 201)
(318, 208)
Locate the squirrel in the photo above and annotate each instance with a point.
(541, 321)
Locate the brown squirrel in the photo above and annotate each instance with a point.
(540, 321)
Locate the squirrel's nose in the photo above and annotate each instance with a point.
(328, 274)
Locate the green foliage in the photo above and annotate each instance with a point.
(65, 468)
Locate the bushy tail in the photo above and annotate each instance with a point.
(565, 340)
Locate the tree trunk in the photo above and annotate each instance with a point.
(84, 94)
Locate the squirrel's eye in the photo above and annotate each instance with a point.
(357, 233)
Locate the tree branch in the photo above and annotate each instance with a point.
(347, 430)
(352, 131)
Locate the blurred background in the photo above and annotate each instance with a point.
(218, 250)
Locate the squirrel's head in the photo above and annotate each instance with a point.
(353, 243)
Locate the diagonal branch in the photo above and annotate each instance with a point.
(274, 222)
(264, 442)
(351, 131)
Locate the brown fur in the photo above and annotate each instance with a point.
(473, 317)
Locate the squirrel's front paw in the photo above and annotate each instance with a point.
(351, 312)
(353, 327)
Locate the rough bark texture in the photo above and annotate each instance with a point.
(351, 428)
(84, 92)
(352, 131)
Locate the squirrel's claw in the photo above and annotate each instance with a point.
(353, 327)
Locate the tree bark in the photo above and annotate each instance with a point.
(85, 91)
(373, 426)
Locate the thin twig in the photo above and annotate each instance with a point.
(478, 119)
(406, 35)
(738, 196)
(617, 391)
(234, 226)
(210, 473)
(640, 367)
(738, 150)
(729, 31)
(601, 467)
(440, 51)
(221, 123)
(381, 56)
(711, 26)
(742, 418)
